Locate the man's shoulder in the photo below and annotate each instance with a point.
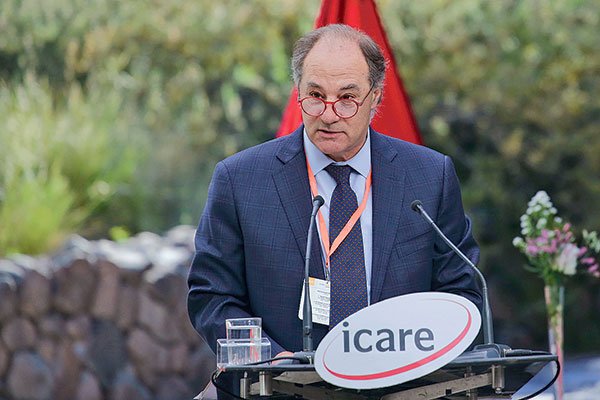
(409, 153)
(268, 150)
(263, 158)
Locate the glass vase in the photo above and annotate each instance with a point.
(555, 301)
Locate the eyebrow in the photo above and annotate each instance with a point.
(350, 86)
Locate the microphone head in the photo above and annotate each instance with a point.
(318, 200)
(416, 206)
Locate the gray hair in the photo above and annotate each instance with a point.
(372, 52)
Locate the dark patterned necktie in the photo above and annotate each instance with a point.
(347, 263)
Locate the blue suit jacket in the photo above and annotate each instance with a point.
(251, 240)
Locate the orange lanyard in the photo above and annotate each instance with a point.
(329, 250)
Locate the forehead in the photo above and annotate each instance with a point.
(335, 63)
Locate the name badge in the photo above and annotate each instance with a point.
(319, 300)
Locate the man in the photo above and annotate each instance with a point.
(251, 239)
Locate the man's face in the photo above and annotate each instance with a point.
(336, 69)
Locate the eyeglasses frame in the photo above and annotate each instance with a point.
(358, 105)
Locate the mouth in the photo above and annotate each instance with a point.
(329, 132)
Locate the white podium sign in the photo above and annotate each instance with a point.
(397, 340)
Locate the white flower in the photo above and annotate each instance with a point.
(530, 210)
(540, 200)
(558, 220)
(567, 259)
(591, 240)
(541, 224)
(546, 203)
(518, 241)
(541, 196)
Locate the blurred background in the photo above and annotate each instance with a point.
(113, 114)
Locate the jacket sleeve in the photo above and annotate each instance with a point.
(217, 279)
(450, 273)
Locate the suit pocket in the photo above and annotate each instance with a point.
(422, 242)
(410, 266)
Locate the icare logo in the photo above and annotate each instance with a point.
(397, 340)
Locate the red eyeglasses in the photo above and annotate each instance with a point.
(343, 108)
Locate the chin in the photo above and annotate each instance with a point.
(332, 152)
(337, 156)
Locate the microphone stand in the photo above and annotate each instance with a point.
(488, 348)
(308, 354)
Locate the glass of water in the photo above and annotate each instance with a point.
(243, 340)
(244, 328)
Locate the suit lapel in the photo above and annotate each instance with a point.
(388, 196)
(291, 181)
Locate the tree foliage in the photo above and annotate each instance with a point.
(147, 96)
(508, 89)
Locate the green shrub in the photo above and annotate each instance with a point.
(61, 162)
(36, 211)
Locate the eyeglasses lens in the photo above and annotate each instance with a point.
(345, 108)
(316, 107)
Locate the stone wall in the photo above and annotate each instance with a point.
(101, 320)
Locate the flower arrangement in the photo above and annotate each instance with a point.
(552, 252)
(549, 243)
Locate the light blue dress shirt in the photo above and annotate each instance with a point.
(361, 163)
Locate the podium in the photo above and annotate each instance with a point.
(469, 376)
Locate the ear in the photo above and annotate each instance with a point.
(377, 97)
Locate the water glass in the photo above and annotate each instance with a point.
(244, 328)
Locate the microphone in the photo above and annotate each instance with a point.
(307, 353)
(488, 330)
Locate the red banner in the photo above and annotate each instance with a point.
(395, 117)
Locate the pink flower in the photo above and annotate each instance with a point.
(532, 250)
(568, 237)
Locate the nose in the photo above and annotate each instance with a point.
(329, 116)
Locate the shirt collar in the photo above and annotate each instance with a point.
(361, 162)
